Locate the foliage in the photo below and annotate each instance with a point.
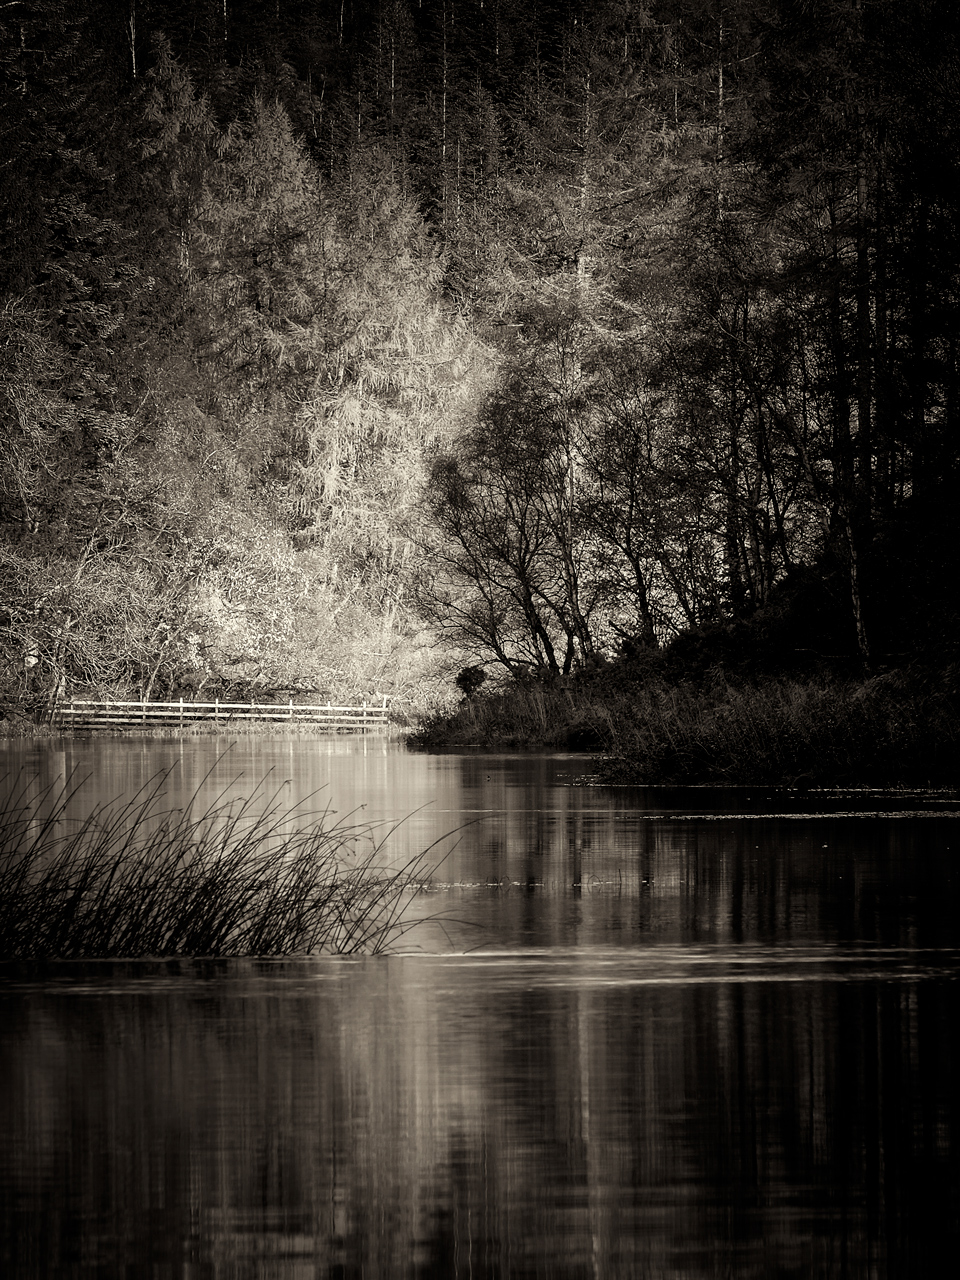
(514, 549)
(469, 680)
(886, 731)
(251, 877)
(753, 385)
(195, 498)
(547, 333)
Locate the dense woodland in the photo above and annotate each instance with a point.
(346, 345)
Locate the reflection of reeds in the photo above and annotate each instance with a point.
(249, 876)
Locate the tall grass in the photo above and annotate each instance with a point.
(250, 877)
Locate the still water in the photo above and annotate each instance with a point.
(634, 1033)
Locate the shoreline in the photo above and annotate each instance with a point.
(896, 729)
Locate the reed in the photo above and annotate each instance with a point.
(250, 877)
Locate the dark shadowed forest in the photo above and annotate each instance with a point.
(605, 354)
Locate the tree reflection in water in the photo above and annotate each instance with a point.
(685, 1047)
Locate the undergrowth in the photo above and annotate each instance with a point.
(886, 731)
(901, 728)
(250, 877)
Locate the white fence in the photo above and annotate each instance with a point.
(85, 713)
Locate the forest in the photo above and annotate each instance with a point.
(589, 351)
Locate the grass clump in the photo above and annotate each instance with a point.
(251, 877)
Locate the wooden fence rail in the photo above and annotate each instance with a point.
(86, 713)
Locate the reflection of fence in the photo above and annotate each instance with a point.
(86, 714)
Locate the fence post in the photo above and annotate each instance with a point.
(181, 711)
(290, 712)
(216, 707)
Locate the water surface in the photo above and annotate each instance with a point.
(689, 1033)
